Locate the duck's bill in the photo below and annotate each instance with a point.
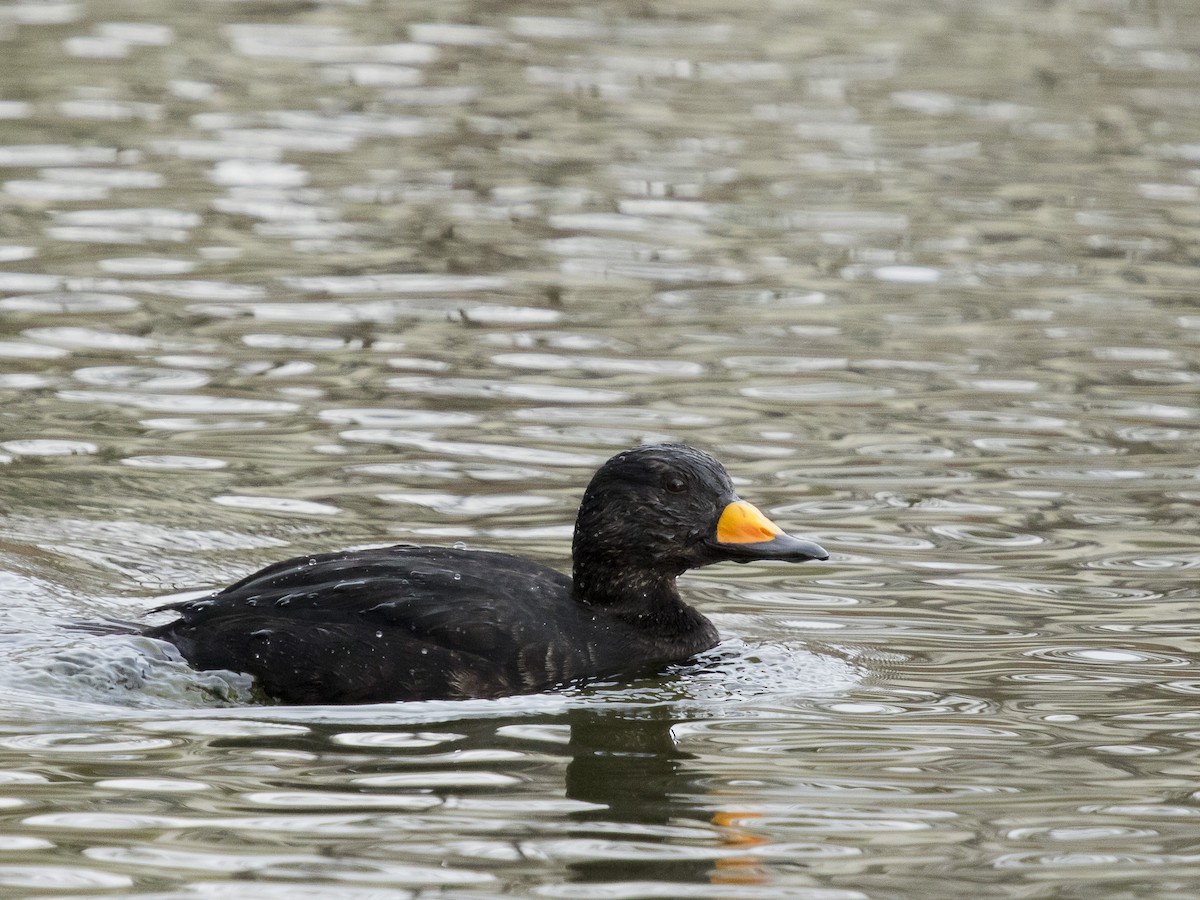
(744, 534)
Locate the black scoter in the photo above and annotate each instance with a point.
(422, 623)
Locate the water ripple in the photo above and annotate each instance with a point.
(69, 303)
(405, 283)
(384, 311)
(153, 785)
(517, 391)
(32, 155)
(146, 265)
(595, 849)
(891, 475)
(525, 455)
(433, 780)
(1072, 473)
(1165, 562)
(398, 418)
(1036, 446)
(444, 469)
(1109, 656)
(285, 505)
(600, 365)
(22, 350)
(986, 536)
(183, 403)
(49, 447)
(818, 392)
(60, 878)
(185, 463)
(82, 338)
(905, 451)
(71, 743)
(223, 728)
(1005, 419)
(336, 800)
(664, 889)
(469, 505)
(1090, 861)
(1143, 433)
(894, 542)
(395, 739)
(289, 866)
(20, 843)
(1068, 591)
(1080, 833)
(626, 416)
(141, 378)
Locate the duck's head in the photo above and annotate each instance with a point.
(668, 508)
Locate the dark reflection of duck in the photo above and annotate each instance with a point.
(420, 623)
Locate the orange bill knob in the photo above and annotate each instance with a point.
(743, 523)
(744, 534)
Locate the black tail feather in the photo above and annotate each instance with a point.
(108, 625)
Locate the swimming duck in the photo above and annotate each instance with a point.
(421, 623)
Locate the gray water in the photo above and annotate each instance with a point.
(285, 277)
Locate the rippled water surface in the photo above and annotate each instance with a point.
(290, 276)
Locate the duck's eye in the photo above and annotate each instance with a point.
(675, 484)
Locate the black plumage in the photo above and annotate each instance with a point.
(418, 623)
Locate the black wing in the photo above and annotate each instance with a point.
(391, 624)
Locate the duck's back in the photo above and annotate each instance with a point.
(397, 623)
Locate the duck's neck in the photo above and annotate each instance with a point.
(647, 600)
(617, 588)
